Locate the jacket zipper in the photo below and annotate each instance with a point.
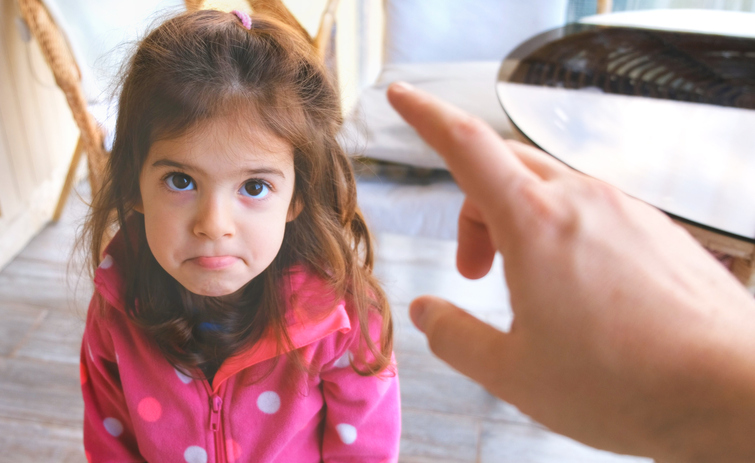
(216, 422)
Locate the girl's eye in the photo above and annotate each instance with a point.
(179, 182)
(255, 189)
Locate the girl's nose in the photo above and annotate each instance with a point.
(214, 218)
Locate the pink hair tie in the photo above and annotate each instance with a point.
(245, 19)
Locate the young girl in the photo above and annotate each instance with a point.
(235, 316)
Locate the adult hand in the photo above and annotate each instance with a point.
(627, 335)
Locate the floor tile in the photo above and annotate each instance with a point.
(411, 266)
(407, 338)
(57, 339)
(517, 443)
(420, 251)
(403, 282)
(429, 384)
(53, 244)
(44, 392)
(438, 437)
(30, 442)
(44, 284)
(16, 322)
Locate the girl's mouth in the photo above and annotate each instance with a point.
(214, 262)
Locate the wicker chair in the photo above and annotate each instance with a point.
(58, 55)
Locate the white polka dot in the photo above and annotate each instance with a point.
(347, 433)
(107, 262)
(183, 377)
(195, 454)
(113, 426)
(344, 361)
(89, 348)
(269, 402)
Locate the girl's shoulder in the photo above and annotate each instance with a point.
(312, 297)
(109, 281)
(315, 307)
(312, 303)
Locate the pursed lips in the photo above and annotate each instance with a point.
(214, 262)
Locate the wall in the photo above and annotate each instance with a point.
(37, 137)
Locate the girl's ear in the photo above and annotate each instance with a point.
(294, 210)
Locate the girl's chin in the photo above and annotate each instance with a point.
(216, 293)
(224, 291)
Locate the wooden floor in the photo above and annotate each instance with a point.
(446, 418)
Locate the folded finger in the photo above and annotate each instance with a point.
(476, 251)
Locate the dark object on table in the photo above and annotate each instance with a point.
(697, 68)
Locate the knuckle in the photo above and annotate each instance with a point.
(608, 196)
(467, 127)
(552, 212)
(517, 145)
(542, 206)
(605, 191)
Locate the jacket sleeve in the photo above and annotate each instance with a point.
(363, 413)
(108, 432)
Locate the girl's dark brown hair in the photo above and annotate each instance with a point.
(202, 65)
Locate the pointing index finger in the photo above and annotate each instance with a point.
(481, 162)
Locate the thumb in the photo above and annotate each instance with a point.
(467, 344)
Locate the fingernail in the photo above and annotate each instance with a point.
(417, 313)
(402, 86)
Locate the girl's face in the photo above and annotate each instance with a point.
(215, 202)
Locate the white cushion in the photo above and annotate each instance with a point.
(375, 130)
(464, 30)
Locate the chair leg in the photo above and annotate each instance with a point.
(193, 5)
(277, 9)
(95, 175)
(68, 184)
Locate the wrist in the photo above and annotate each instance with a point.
(711, 399)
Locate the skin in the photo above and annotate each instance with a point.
(627, 335)
(215, 202)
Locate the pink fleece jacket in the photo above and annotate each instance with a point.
(137, 407)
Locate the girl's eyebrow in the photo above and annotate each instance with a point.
(178, 165)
